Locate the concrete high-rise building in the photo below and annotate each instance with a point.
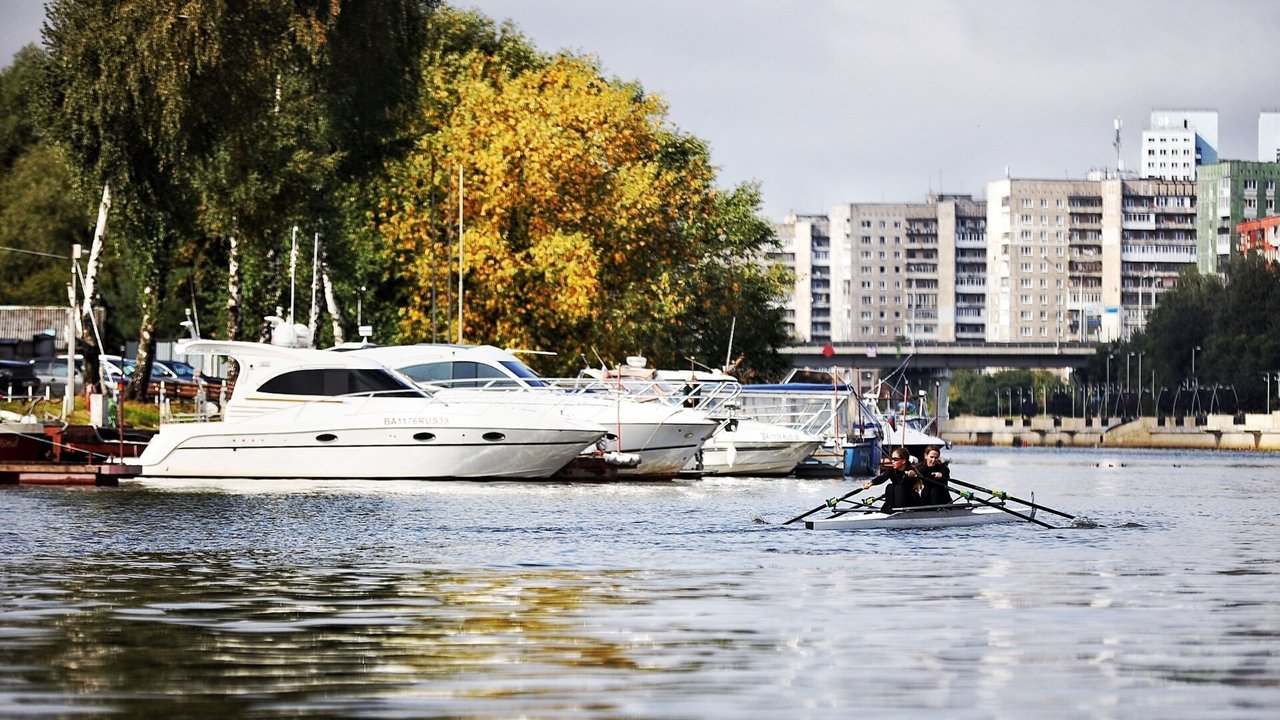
(1157, 242)
(804, 248)
(1269, 136)
(1073, 259)
(1227, 194)
(888, 273)
(1177, 142)
(962, 234)
(916, 269)
(1044, 260)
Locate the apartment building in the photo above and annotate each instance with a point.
(1177, 142)
(1269, 136)
(881, 273)
(1261, 237)
(1082, 259)
(804, 247)
(1229, 193)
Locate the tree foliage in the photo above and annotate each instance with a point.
(592, 228)
(1226, 322)
(212, 118)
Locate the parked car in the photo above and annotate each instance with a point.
(18, 377)
(183, 371)
(117, 369)
(176, 371)
(52, 371)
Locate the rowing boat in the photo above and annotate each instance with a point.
(933, 516)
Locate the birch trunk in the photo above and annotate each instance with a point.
(235, 300)
(331, 300)
(146, 345)
(95, 258)
(84, 317)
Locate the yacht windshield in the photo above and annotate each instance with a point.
(464, 374)
(524, 372)
(340, 381)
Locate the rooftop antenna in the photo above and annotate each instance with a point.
(1119, 162)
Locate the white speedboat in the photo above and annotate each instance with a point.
(957, 515)
(743, 446)
(662, 438)
(301, 413)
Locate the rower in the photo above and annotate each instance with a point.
(934, 490)
(901, 478)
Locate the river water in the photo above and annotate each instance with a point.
(162, 599)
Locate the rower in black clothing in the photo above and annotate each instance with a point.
(901, 478)
(935, 490)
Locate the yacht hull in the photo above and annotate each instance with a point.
(412, 452)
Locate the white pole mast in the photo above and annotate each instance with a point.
(69, 393)
(293, 267)
(314, 318)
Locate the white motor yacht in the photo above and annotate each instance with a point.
(741, 444)
(662, 437)
(302, 413)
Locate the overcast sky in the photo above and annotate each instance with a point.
(833, 101)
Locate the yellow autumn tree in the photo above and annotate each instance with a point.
(588, 219)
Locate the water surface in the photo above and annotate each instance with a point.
(683, 600)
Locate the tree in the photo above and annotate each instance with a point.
(591, 227)
(168, 101)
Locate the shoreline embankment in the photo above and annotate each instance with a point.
(1206, 432)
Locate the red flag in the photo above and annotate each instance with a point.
(828, 350)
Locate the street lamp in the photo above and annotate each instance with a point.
(1140, 354)
(1193, 363)
(1127, 358)
(1106, 388)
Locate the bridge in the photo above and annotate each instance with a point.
(942, 356)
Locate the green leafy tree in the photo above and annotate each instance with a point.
(175, 104)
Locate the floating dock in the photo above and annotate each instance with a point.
(57, 473)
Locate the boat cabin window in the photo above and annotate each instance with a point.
(465, 374)
(339, 381)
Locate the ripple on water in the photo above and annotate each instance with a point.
(664, 601)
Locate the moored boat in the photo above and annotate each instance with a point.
(935, 516)
(661, 437)
(750, 447)
(300, 413)
(741, 444)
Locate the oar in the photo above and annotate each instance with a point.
(971, 496)
(866, 505)
(1005, 496)
(823, 506)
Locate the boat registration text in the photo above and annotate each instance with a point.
(414, 420)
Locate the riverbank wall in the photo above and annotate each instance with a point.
(1207, 432)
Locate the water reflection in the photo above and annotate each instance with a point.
(226, 637)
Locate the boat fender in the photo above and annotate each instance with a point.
(618, 459)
